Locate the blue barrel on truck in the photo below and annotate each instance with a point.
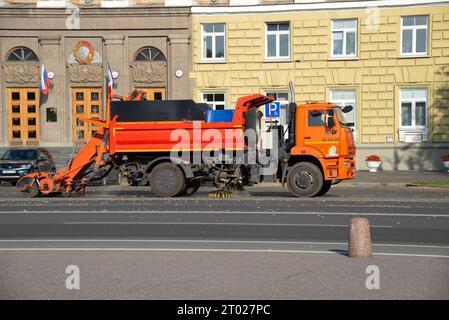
(219, 115)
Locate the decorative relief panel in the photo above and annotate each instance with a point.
(149, 72)
(21, 73)
(85, 72)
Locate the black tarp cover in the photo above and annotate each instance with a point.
(160, 110)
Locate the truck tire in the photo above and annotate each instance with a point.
(326, 187)
(192, 187)
(304, 179)
(32, 192)
(167, 180)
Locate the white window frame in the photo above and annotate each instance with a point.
(116, 3)
(413, 101)
(346, 102)
(214, 103)
(50, 3)
(278, 34)
(343, 54)
(414, 28)
(214, 35)
(179, 3)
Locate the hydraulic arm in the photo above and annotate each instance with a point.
(71, 179)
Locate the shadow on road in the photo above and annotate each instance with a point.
(341, 252)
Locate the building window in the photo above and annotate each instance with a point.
(216, 100)
(283, 99)
(277, 42)
(346, 98)
(150, 54)
(414, 35)
(51, 3)
(116, 3)
(213, 37)
(413, 108)
(22, 54)
(344, 38)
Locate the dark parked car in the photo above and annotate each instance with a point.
(17, 162)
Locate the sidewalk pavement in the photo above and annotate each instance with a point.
(127, 274)
(401, 177)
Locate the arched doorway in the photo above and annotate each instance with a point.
(22, 76)
(149, 72)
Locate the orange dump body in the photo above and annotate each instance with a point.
(169, 136)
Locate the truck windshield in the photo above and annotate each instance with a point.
(20, 155)
(340, 117)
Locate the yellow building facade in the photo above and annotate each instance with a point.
(390, 60)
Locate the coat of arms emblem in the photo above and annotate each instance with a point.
(83, 52)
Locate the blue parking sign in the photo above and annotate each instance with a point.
(273, 109)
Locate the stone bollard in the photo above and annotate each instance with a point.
(359, 238)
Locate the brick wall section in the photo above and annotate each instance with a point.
(376, 75)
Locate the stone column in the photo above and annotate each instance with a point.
(179, 58)
(53, 133)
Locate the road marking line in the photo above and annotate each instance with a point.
(145, 198)
(410, 255)
(213, 223)
(220, 241)
(240, 212)
(219, 250)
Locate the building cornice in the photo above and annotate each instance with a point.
(32, 10)
(315, 6)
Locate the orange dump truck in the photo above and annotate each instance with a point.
(176, 146)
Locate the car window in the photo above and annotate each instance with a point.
(19, 154)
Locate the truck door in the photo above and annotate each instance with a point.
(319, 136)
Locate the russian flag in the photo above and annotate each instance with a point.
(45, 82)
(110, 82)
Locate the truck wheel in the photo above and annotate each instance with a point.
(167, 180)
(304, 179)
(32, 191)
(192, 187)
(326, 187)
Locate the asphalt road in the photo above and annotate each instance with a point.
(262, 243)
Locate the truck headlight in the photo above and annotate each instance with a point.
(25, 166)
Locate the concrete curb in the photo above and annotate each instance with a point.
(416, 185)
(367, 184)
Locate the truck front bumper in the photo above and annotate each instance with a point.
(346, 169)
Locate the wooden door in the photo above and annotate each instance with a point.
(154, 93)
(86, 103)
(23, 116)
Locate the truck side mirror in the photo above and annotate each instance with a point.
(316, 113)
(347, 109)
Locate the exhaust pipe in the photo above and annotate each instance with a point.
(292, 123)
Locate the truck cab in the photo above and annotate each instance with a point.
(322, 151)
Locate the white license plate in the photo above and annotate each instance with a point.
(9, 171)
